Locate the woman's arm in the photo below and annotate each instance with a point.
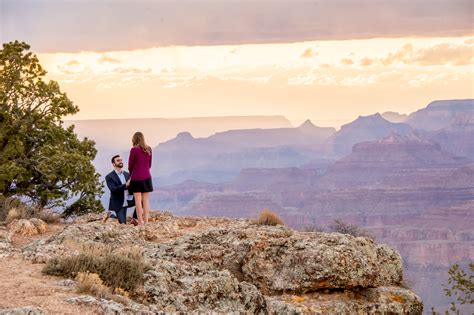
(131, 161)
(151, 157)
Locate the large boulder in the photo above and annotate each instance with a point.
(178, 288)
(305, 262)
(226, 265)
(277, 259)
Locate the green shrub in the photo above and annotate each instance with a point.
(41, 159)
(84, 206)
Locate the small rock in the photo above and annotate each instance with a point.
(6, 248)
(67, 283)
(113, 308)
(27, 310)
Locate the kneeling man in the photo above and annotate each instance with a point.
(118, 181)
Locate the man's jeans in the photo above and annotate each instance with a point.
(122, 215)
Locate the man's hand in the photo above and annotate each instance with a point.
(127, 183)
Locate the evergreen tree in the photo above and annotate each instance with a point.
(40, 159)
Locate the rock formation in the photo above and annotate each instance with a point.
(394, 117)
(224, 154)
(364, 128)
(226, 265)
(440, 114)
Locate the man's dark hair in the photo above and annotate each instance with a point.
(114, 157)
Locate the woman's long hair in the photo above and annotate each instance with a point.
(138, 140)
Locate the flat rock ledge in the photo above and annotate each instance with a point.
(202, 265)
(27, 310)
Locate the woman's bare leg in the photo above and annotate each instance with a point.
(139, 207)
(146, 206)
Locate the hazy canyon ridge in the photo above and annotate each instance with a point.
(409, 179)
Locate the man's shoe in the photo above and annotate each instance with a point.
(106, 217)
(134, 222)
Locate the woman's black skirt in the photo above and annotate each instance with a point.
(145, 185)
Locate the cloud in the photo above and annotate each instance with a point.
(72, 67)
(72, 63)
(347, 61)
(58, 25)
(440, 54)
(469, 41)
(399, 56)
(308, 53)
(445, 53)
(106, 59)
(122, 70)
(366, 62)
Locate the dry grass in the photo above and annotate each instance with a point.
(313, 228)
(121, 292)
(110, 236)
(27, 227)
(49, 216)
(39, 224)
(16, 214)
(13, 208)
(123, 268)
(267, 217)
(90, 283)
(345, 228)
(298, 299)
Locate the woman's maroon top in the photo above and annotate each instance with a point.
(139, 164)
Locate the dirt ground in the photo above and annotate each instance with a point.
(22, 283)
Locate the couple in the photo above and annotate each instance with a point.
(127, 190)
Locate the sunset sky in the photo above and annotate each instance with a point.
(329, 60)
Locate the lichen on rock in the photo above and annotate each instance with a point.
(227, 265)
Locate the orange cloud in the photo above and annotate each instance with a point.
(308, 53)
(347, 61)
(436, 55)
(132, 70)
(366, 62)
(445, 53)
(469, 41)
(106, 59)
(398, 56)
(72, 63)
(71, 67)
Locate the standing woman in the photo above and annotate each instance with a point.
(139, 164)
